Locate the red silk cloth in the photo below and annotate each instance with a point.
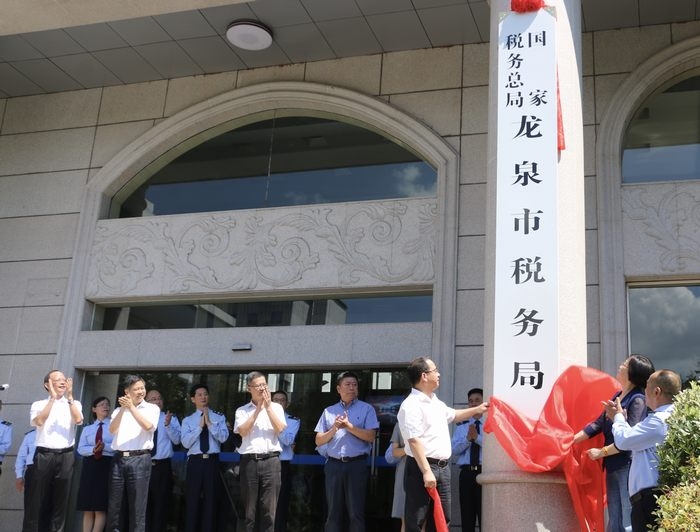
(438, 513)
(547, 443)
(524, 6)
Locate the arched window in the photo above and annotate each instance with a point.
(285, 161)
(662, 141)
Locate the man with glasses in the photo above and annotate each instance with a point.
(423, 420)
(348, 429)
(259, 423)
(55, 419)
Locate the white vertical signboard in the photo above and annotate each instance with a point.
(526, 283)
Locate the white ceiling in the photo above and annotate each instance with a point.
(58, 45)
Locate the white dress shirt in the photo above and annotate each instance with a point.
(130, 436)
(262, 438)
(58, 431)
(427, 419)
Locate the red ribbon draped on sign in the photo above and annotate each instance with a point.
(438, 513)
(541, 445)
(525, 6)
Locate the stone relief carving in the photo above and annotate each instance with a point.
(670, 216)
(352, 244)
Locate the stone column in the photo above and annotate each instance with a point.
(513, 499)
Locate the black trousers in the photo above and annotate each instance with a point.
(52, 478)
(643, 507)
(200, 492)
(281, 515)
(469, 498)
(260, 489)
(346, 491)
(129, 478)
(160, 491)
(419, 505)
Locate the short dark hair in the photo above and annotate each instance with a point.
(416, 368)
(475, 390)
(197, 386)
(48, 375)
(280, 392)
(345, 375)
(97, 402)
(254, 375)
(130, 380)
(668, 381)
(639, 369)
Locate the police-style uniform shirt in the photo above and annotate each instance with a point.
(25, 453)
(86, 444)
(58, 431)
(642, 440)
(287, 437)
(5, 438)
(131, 436)
(461, 446)
(426, 418)
(218, 432)
(263, 437)
(167, 437)
(343, 443)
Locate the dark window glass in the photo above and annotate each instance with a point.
(664, 326)
(662, 141)
(391, 309)
(282, 162)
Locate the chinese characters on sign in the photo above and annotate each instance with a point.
(526, 276)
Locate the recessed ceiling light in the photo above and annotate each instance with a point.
(249, 35)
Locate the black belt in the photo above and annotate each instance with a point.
(157, 461)
(471, 467)
(204, 456)
(345, 459)
(261, 456)
(54, 451)
(137, 452)
(638, 496)
(439, 462)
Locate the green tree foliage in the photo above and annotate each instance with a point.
(679, 465)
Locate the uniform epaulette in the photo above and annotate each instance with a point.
(8, 423)
(216, 412)
(30, 430)
(292, 417)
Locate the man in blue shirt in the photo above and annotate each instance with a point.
(286, 439)
(160, 487)
(348, 429)
(466, 446)
(642, 440)
(5, 438)
(203, 432)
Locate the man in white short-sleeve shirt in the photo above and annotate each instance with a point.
(424, 420)
(133, 424)
(55, 420)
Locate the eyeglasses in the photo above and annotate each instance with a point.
(435, 369)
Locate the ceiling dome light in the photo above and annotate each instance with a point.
(249, 35)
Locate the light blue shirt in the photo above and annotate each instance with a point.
(461, 446)
(343, 443)
(25, 454)
(87, 439)
(287, 437)
(167, 437)
(5, 438)
(642, 440)
(218, 432)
